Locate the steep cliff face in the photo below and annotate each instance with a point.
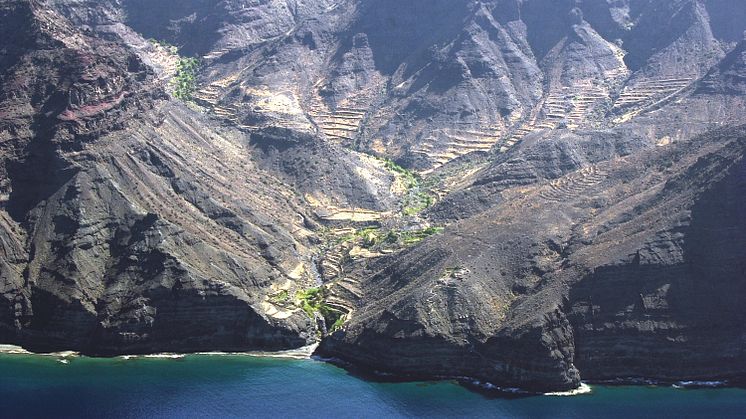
(130, 224)
(613, 270)
(677, 297)
(427, 83)
(728, 77)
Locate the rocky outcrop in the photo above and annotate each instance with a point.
(127, 225)
(461, 79)
(616, 271)
(677, 296)
(729, 76)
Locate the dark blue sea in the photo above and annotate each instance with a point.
(204, 386)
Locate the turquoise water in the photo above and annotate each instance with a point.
(241, 386)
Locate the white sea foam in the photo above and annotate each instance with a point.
(153, 356)
(63, 354)
(490, 386)
(685, 384)
(299, 353)
(582, 389)
(164, 356)
(12, 349)
(17, 350)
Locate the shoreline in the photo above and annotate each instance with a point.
(306, 353)
(303, 352)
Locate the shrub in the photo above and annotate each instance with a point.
(185, 80)
(312, 302)
(281, 297)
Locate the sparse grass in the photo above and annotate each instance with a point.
(173, 49)
(412, 237)
(410, 179)
(454, 271)
(280, 298)
(344, 239)
(416, 203)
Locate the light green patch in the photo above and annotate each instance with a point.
(397, 238)
(410, 179)
(312, 302)
(281, 297)
(338, 324)
(185, 80)
(409, 238)
(417, 202)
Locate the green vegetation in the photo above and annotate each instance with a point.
(369, 237)
(312, 301)
(418, 197)
(410, 179)
(391, 237)
(398, 238)
(185, 80)
(374, 238)
(409, 238)
(280, 298)
(338, 324)
(416, 203)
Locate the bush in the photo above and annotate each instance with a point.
(410, 180)
(185, 80)
(312, 302)
(416, 236)
(417, 203)
(280, 298)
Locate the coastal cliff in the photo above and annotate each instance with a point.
(527, 193)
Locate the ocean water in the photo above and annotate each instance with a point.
(199, 386)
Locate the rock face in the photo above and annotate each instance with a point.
(130, 223)
(566, 202)
(614, 270)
